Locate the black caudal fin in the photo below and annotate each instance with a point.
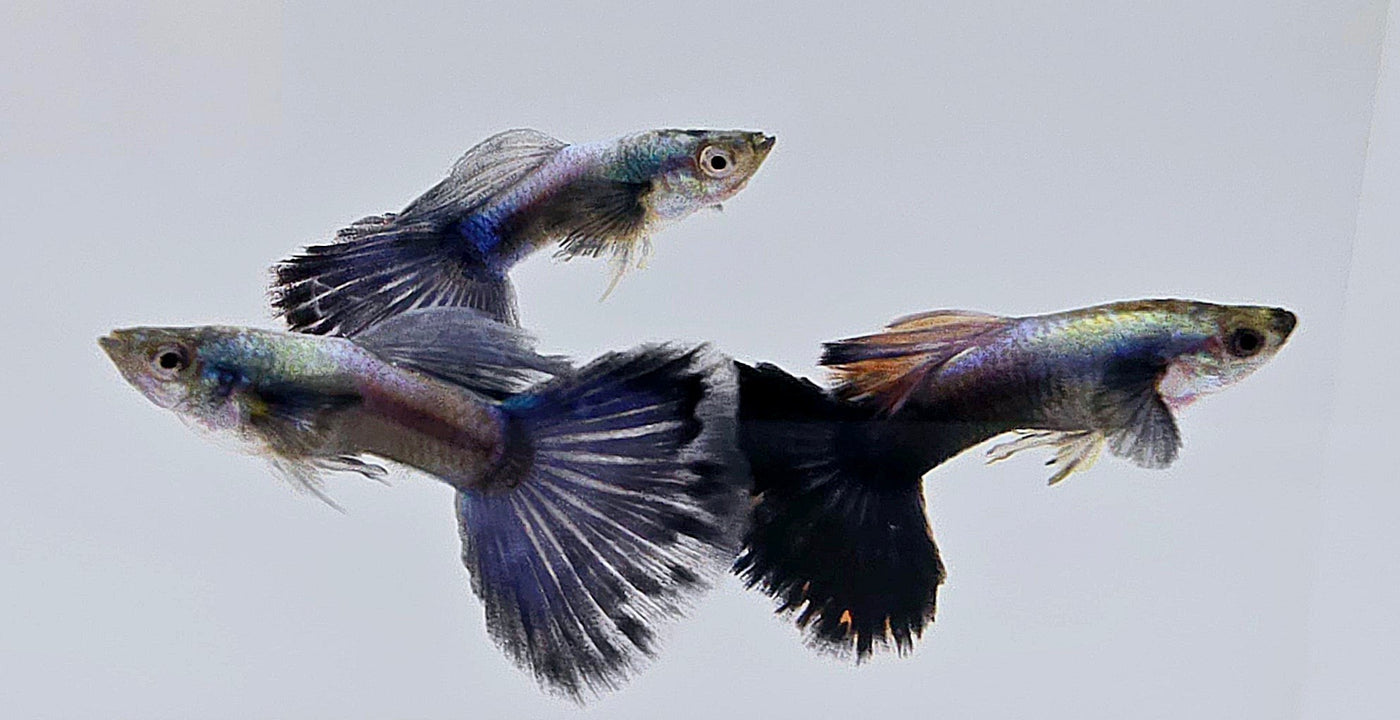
(619, 499)
(433, 253)
(838, 534)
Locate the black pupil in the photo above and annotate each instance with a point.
(718, 162)
(169, 360)
(1247, 341)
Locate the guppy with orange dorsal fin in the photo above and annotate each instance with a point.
(838, 534)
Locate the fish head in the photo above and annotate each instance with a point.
(1240, 340)
(173, 369)
(703, 168)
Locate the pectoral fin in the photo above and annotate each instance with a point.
(1142, 429)
(291, 421)
(1138, 426)
(599, 217)
(1150, 439)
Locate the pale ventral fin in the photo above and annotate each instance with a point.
(306, 474)
(347, 463)
(1075, 451)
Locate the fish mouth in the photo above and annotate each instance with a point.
(1283, 321)
(111, 344)
(117, 344)
(762, 143)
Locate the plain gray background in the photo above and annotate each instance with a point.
(1007, 157)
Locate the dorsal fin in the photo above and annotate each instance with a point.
(887, 366)
(462, 346)
(487, 169)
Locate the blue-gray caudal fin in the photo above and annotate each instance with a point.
(383, 266)
(618, 499)
(422, 257)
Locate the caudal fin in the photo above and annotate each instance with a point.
(380, 267)
(621, 500)
(838, 534)
(437, 252)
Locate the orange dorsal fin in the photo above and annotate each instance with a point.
(888, 366)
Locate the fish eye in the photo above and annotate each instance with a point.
(169, 360)
(715, 161)
(1245, 342)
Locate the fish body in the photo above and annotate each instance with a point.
(838, 534)
(508, 197)
(1117, 371)
(663, 167)
(306, 401)
(592, 502)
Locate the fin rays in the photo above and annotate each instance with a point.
(626, 505)
(887, 367)
(348, 285)
(1075, 451)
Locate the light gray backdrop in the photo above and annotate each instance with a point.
(1007, 157)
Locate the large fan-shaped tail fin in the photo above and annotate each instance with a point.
(621, 498)
(838, 534)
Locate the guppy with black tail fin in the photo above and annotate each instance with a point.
(839, 535)
(592, 502)
(511, 195)
(1075, 381)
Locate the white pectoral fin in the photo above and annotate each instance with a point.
(1074, 450)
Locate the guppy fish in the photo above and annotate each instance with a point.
(592, 503)
(838, 533)
(513, 194)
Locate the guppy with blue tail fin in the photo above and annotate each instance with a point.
(592, 501)
(506, 198)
